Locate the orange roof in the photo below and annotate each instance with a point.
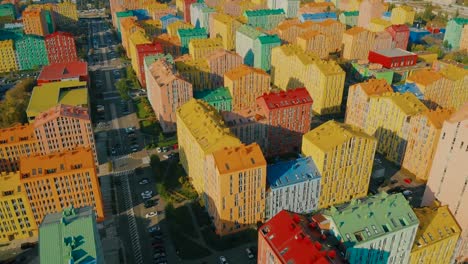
(375, 87)
(329, 22)
(234, 159)
(425, 77)
(355, 30)
(309, 34)
(461, 114)
(17, 133)
(438, 116)
(243, 70)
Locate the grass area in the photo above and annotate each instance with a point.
(167, 142)
(229, 241)
(182, 218)
(142, 111)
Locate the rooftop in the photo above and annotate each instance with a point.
(323, 15)
(187, 32)
(460, 20)
(355, 30)
(264, 12)
(164, 73)
(239, 158)
(351, 13)
(205, 43)
(438, 116)
(249, 31)
(290, 172)
(408, 103)
(282, 99)
(153, 58)
(454, 73)
(242, 71)
(375, 86)
(395, 52)
(60, 71)
(460, 115)
(268, 39)
(218, 94)
(409, 87)
(77, 112)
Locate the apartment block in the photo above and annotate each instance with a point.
(219, 98)
(15, 142)
(290, 29)
(318, 17)
(437, 235)
(200, 15)
(56, 181)
(290, 7)
(187, 34)
(357, 42)
(128, 27)
(402, 15)
(369, 9)
(168, 19)
(343, 155)
(16, 221)
(200, 132)
(184, 7)
(266, 19)
(224, 26)
(324, 80)
(200, 48)
(313, 41)
(68, 231)
(262, 50)
(245, 41)
(288, 116)
(62, 72)
(316, 7)
(246, 84)
(237, 7)
(170, 45)
(7, 12)
(400, 36)
(454, 30)
(349, 18)
(197, 72)
(378, 24)
(65, 13)
(152, 27)
(220, 62)
(235, 184)
(61, 47)
(7, 53)
(34, 22)
(445, 182)
(377, 229)
(31, 52)
(173, 28)
(142, 51)
(383, 40)
(138, 38)
(458, 80)
(464, 38)
(158, 10)
(293, 186)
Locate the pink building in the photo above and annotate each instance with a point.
(167, 91)
(400, 36)
(448, 177)
(288, 117)
(220, 62)
(369, 9)
(382, 41)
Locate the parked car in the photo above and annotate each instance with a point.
(250, 255)
(143, 181)
(151, 214)
(407, 192)
(158, 149)
(223, 260)
(154, 229)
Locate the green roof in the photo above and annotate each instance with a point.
(249, 31)
(263, 12)
(50, 94)
(70, 237)
(268, 39)
(153, 58)
(351, 13)
(362, 220)
(188, 32)
(461, 20)
(218, 94)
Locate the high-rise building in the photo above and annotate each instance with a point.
(245, 40)
(402, 15)
(187, 34)
(294, 185)
(8, 62)
(246, 84)
(31, 52)
(195, 71)
(199, 15)
(343, 155)
(220, 62)
(70, 236)
(288, 117)
(357, 42)
(457, 79)
(15, 142)
(61, 47)
(464, 38)
(437, 236)
(400, 36)
(262, 50)
(224, 26)
(266, 19)
(235, 187)
(349, 18)
(170, 45)
(290, 7)
(369, 9)
(454, 30)
(201, 48)
(34, 22)
(447, 181)
(313, 41)
(382, 41)
(65, 13)
(143, 50)
(173, 28)
(378, 24)
(219, 98)
(200, 131)
(7, 12)
(56, 181)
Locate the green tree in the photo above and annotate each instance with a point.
(427, 13)
(123, 89)
(13, 108)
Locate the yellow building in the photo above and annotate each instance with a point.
(200, 131)
(313, 41)
(246, 84)
(224, 26)
(402, 15)
(200, 48)
(464, 38)
(424, 133)
(344, 155)
(437, 236)
(457, 79)
(136, 38)
(128, 27)
(174, 27)
(235, 187)
(8, 57)
(17, 220)
(292, 67)
(152, 27)
(67, 13)
(357, 42)
(197, 72)
(379, 24)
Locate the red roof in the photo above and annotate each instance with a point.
(58, 33)
(283, 99)
(290, 241)
(399, 28)
(153, 47)
(60, 71)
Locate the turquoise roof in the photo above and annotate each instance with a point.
(153, 58)
(351, 13)
(264, 12)
(219, 94)
(188, 32)
(268, 39)
(461, 20)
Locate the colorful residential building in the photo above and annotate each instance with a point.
(197, 72)
(382, 41)
(170, 45)
(400, 36)
(15, 142)
(290, 29)
(437, 235)
(464, 39)
(237, 7)
(138, 38)
(402, 15)
(65, 13)
(184, 7)
(458, 80)
(173, 28)
(245, 40)
(445, 183)
(61, 47)
(219, 98)
(56, 181)
(158, 10)
(200, 132)
(8, 63)
(436, 91)
(128, 27)
(293, 186)
(47, 95)
(290, 7)
(347, 5)
(70, 236)
(7, 12)
(17, 218)
(152, 27)
(357, 42)
(324, 80)
(378, 24)
(313, 41)
(316, 7)
(266, 19)
(235, 184)
(200, 14)
(454, 30)
(187, 34)
(369, 9)
(168, 19)
(262, 50)
(245, 84)
(318, 17)
(61, 72)
(31, 52)
(224, 26)
(118, 18)
(378, 229)
(200, 48)
(393, 58)
(349, 18)
(282, 110)
(34, 22)
(142, 51)
(362, 70)
(220, 62)
(334, 31)
(343, 155)
(169, 91)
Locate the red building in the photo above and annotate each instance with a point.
(61, 47)
(144, 50)
(187, 4)
(400, 36)
(393, 58)
(57, 72)
(291, 238)
(288, 117)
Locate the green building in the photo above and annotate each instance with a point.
(47, 95)
(187, 34)
(362, 72)
(349, 18)
(219, 98)
(376, 229)
(70, 237)
(454, 30)
(7, 13)
(31, 52)
(245, 40)
(262, 51)
(265, 18)
(49, 19)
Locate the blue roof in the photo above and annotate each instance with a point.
(318, 16)
(387, 14)
(408, 87)
(141, 14)
(291, 172)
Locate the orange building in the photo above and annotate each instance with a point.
(235, 187)
(16, 142)
(54, 182)
(34, 22)
(171, 45)
(357, 43)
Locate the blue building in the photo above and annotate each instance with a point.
(168, 19)
(409, 87)
(318, 17)
(417, 34)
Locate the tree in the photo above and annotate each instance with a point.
(13, 108)
(427, 14)
(123, 89)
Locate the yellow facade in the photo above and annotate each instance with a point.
(174, 27)
(197, 72)
(235, 187)
(437, 236)
(292, 67)
(34, 22)
(224, 26)
(200, 131)
(135, 39)
(402, 15)
(152, 27)
(379, 24)
(67, 12)
(357, 42)
(128, 27)
(8, 58)
(457, 79)
(464, 38)
(16, 217)
(424, 133)
(315, 42)
(200, 48)
(344, 155)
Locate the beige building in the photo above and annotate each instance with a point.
(220, 62)
(357, 42)
(315, 42)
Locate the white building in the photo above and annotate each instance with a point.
(290, 7)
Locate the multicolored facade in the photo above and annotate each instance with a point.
(382, 41)
(345, 167)
(245, 41)
(62, 72)
(357, 42)
(34, 22)
(197, 72)
(142, 51)
(378, 24)
(187, 34)
(262, 50)
(173, 28)
(290, 7)
(200, 15)
(219, 98)
(170, 45)
(400, 36)
(65, 13)
(349, 18)
(61, 47)
(454, 30)
(8, 62)
(200, 48)
(7, 12)
(224, 26)
(220, 62)
(31, 52)
(266, 19)
(402, 15)
(15, 142)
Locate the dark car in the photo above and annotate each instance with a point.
(28, 245)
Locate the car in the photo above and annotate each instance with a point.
(154, 229)
(143, 181)
(223, 260)
(250, 255)
(158, 255)
(151, 214)
(149, 203)
(158, 149)
(407, 192)
(393, 181)
(113, 152)
(147, 194)
(165, 149)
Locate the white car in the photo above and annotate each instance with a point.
(151, 214)
(158, 149)
(249, 253)
(223, 260)
(143, 181)
(407, 192)
(146, 194)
